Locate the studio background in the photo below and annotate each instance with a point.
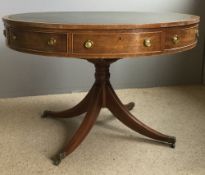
(27, 75)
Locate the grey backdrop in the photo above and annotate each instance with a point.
(24, 75)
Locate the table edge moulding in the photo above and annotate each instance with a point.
(102, 38)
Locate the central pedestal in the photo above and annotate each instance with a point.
(102, 95)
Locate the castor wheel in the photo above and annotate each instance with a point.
(172, 145)
(45, 114)
(58, 158)
(56, 161)
(130, 106)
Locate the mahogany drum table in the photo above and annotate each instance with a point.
(102, 38)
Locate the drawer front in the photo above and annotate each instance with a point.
(121, 43)
(176, 38)
(38, 41)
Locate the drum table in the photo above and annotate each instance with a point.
(101, 38)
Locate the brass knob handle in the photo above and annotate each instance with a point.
(147, 43)
(88, 44)
(4, 33)
(175, 39)
(52, 42)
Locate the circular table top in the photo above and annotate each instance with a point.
(97, 35)
(102, 20)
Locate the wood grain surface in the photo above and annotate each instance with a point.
(111, 34)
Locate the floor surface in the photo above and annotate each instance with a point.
(27, 142)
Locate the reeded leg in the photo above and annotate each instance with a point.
(79, 109)
(84, 128)
(122, 113)
(103, 95)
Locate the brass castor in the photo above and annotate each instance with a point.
(174, 142)
(56, 161)
(58, 158)
(130, 106)
(45, 114)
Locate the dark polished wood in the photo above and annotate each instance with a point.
(101, 38)
(114, 35)
(102, 95)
